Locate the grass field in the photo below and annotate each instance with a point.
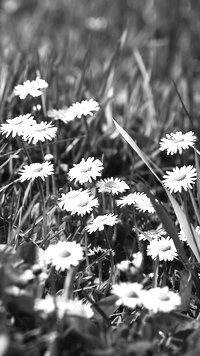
(99, 173)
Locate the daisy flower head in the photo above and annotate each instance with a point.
(163, 248)
(85, 108)
(128, 294)
(160, 300)
(139, 200)
(63, 255)
(39, 132)
(17, 125)
(111, 185)
(86, 170)
(36, 170)
(152, 234)
(101, 221)
(65, 114)
(78, 309)
(84, 205)
(180, 178)
(177, 142)
(70, 199)
(30, 88)
(128, 199)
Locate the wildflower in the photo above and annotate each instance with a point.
(30, 88)
(84, 204)
(39, 132)
(180, 178)
(132, 266)
(63, 255)
(163, 248)
(65, 114)
(128, 294)
(100, 222)
(86, 170)
(86, 107)
(160, 300)
(111, 185)
(139, 200)
(152, 234)
(71, 198)
(50, 305)
(36, 170)
(177, 142)
(17, 125)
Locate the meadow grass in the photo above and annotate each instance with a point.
(100, 192)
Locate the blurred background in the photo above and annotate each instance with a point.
(123, 53)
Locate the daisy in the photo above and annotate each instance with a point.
(129, 199)
(177, 142)
(16, 125)
(36, 170)
(65, 114)
(50, 305)
(86, 107)
(30, 88)
(39, 132)
(163, 248)
(128, 294)
(111, 185)
(84, 204)
(160, 300)
(152, 234)
(100, 222)
(63, 255)
(180, 178)
(86, 170)
(71, 198)
(139, 200)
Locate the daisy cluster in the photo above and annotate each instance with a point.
(132, 295)
(180, 178)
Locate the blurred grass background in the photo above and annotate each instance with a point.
(123, 53)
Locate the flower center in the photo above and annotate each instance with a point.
(101, 218)
(177, 139)
(111, 184)
(165, 248)
(18, 122)
(37, 169)
(83, 202)
(164, 297)
(64, 253)
(180, 177)
(86, 168)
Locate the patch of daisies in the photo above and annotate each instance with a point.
(95, 205)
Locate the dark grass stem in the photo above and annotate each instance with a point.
(111, 262)
(86, 245)
(155, 272)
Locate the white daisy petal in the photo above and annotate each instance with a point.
(36, 170)
(180, 178)
(177, 142)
